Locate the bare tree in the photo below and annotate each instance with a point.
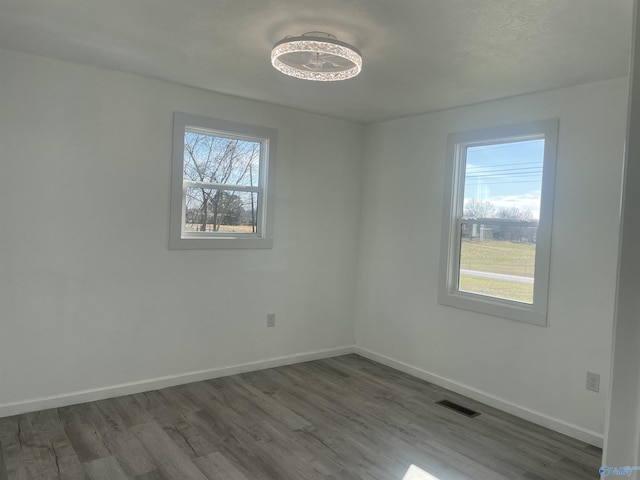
(478, 209)
(523, 231)
(515, 213)
(224, 163)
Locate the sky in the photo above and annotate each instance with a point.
(506, 174)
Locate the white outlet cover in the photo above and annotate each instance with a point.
(593, 382)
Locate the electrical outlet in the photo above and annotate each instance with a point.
(271, 319)
(593, 382)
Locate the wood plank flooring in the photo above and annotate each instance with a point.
(342, 418)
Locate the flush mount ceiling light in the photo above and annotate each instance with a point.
(316, 56)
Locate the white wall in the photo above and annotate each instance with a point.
(622, 445)
(536, 372)
(91, 297)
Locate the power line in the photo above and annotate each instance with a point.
(513, 175)
(509, 164)
(495, 169)
(508, 183)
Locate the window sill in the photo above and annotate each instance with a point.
(496, 307)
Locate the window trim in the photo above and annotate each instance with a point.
(178, 240)
(448, 293)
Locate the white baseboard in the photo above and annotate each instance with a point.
(55, 401)
(575, 431)
(31, 405)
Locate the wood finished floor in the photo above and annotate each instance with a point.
(341, 418)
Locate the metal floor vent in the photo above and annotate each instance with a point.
(458, 408)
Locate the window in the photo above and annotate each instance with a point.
(496, 241)
(221, 184)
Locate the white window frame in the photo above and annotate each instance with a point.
(448, 294)
(267, 137)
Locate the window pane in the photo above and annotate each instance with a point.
(498, 260)
(502, 181)
(222, 211)
(212, 159)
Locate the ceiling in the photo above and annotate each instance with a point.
(419, 55)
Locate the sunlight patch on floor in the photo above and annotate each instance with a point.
(416, 473)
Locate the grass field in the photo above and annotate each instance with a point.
(192, 227)
(498, 257)
(521, 292)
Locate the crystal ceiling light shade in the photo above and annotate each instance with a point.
(316, 56)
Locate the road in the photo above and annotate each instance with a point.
(496, 276)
